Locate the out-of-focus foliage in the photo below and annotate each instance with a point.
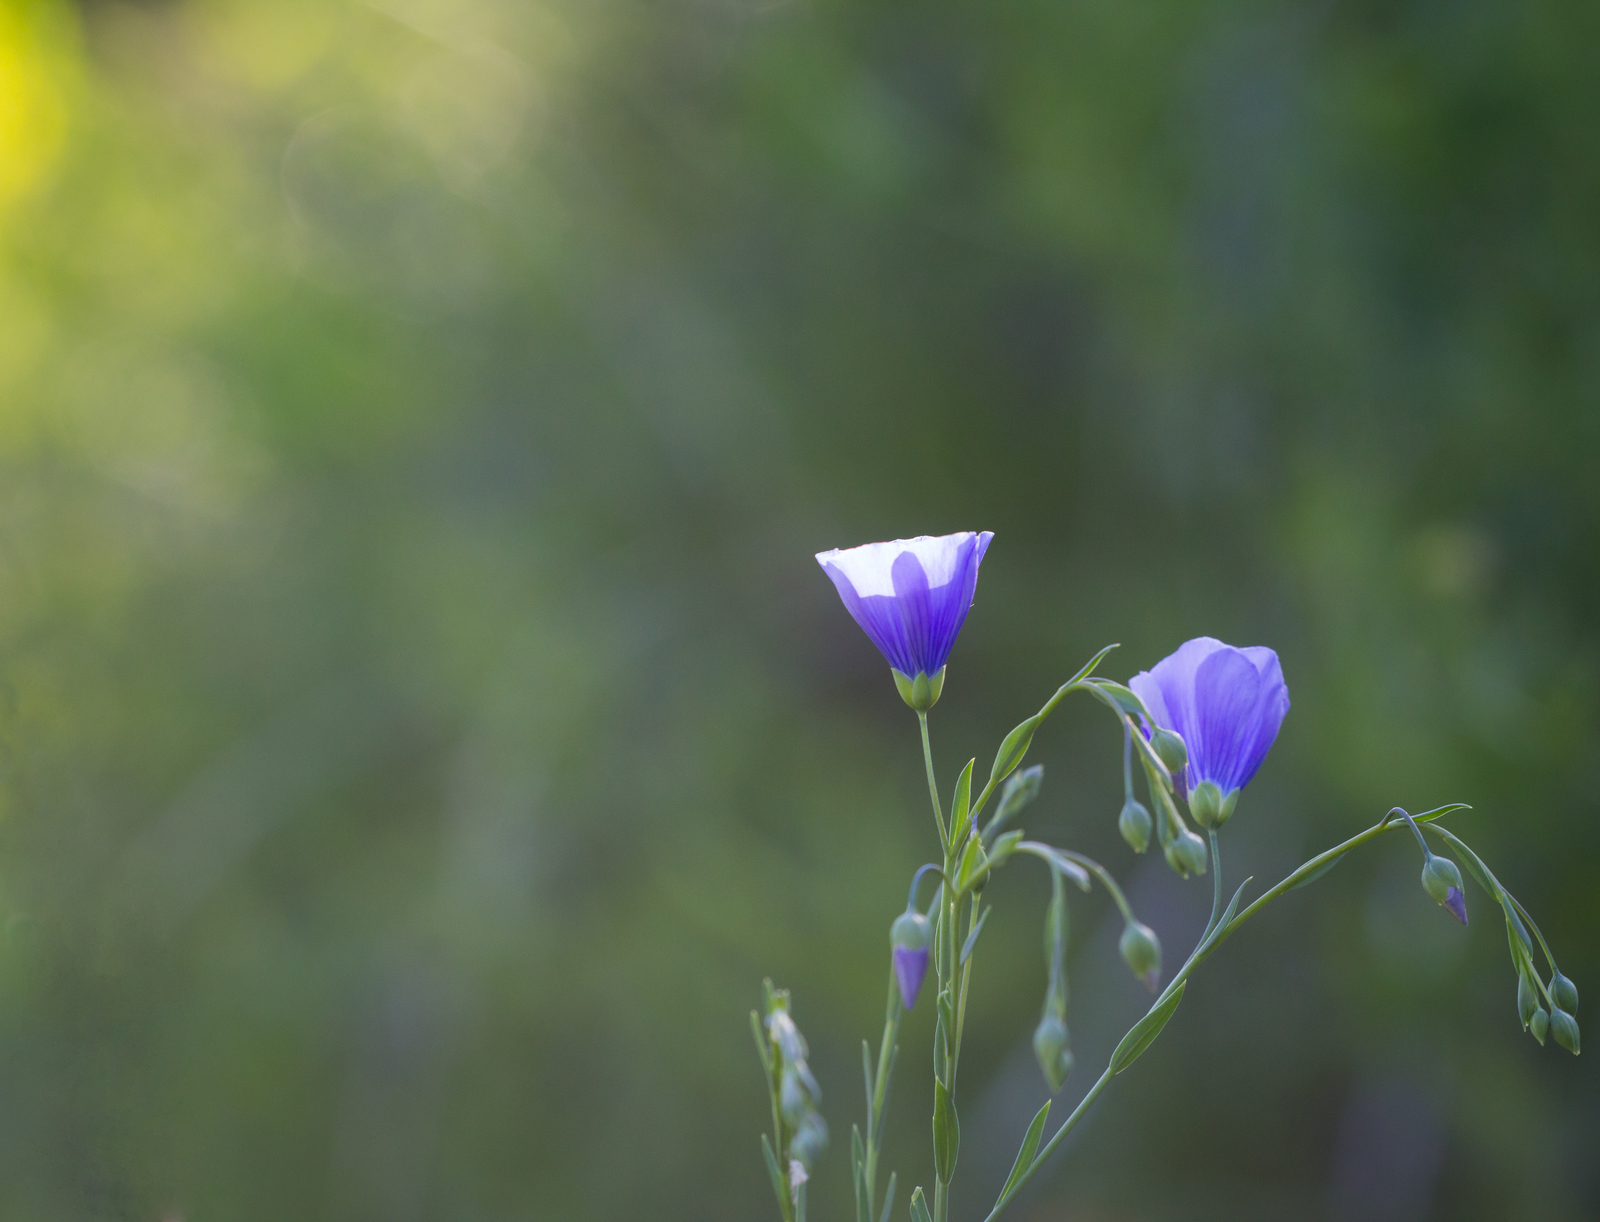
(422, 723)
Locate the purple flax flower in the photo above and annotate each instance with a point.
(911, 597)
(1227, 705)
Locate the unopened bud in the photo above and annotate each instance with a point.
(1141, 950)
(1169, 747)
(1186, 853)
(909, 939)
(1050, 1046)
(921, 691)
(1442, 881)
(1564, 992)
(1527, 1000)
(1565, 1028)
(1134, 824)
(1020, 789)
(1539, 1024)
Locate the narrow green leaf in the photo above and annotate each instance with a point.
(866, 1074)
(946, 1133)
(777, 1175)
(1030, 1147)
(1013, 749)
(919, 1207)
(961, 803)
(1317, 873)
(972, 938)
(1145, 1031)
(888, 1199)
(763, 1045)
(1088, 667)
(858, 1170)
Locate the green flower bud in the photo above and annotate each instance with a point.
(1134, 824)
(1050, 1046)
(1565, 1028)
(1527, 1000)
(1141, 950)
(1169, 747)
(1539, 1024)
(922, 691)
(1442, 881)
(1186, 853)
(1564, 992)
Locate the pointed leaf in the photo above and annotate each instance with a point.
(1030, 1147)
(960, 804)
(858, 1171)
(1088, 667)
(919, 1207)
(1145, 1031)
(1002, 848)
(1227, 915)
(888, 1199)
(1058, 861)
(777, 1175)
(1013, 749)
(946, 1133)
(1317, 873)
(866, 1074)
(763, 1048)
(972, 938)
(1124, 698)
(974, 866)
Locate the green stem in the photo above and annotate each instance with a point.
(1202, 950)
(879, 1101)
(933, 788)
(1104, 875)
(1216, 884)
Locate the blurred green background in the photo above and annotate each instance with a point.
(422, 722)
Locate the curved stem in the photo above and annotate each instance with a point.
(1110, 884)
(1216, 884)
(1201, 952)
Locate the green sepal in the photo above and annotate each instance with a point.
(777, 1175)
(919, 1207)
(1145, 1031)
(960, 805)
(1030, 1147)
(946, 1133)
(972, 938)
(921, 691)
(1013, 749)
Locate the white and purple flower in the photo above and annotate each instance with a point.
(1227, 705)
(911, 597)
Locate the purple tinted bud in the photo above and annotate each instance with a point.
(910, 966)
(1457, 904)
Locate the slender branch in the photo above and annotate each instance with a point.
(1208, 943)
(933, 785)
(1104, 875)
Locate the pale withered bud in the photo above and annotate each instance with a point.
(809, 1140)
